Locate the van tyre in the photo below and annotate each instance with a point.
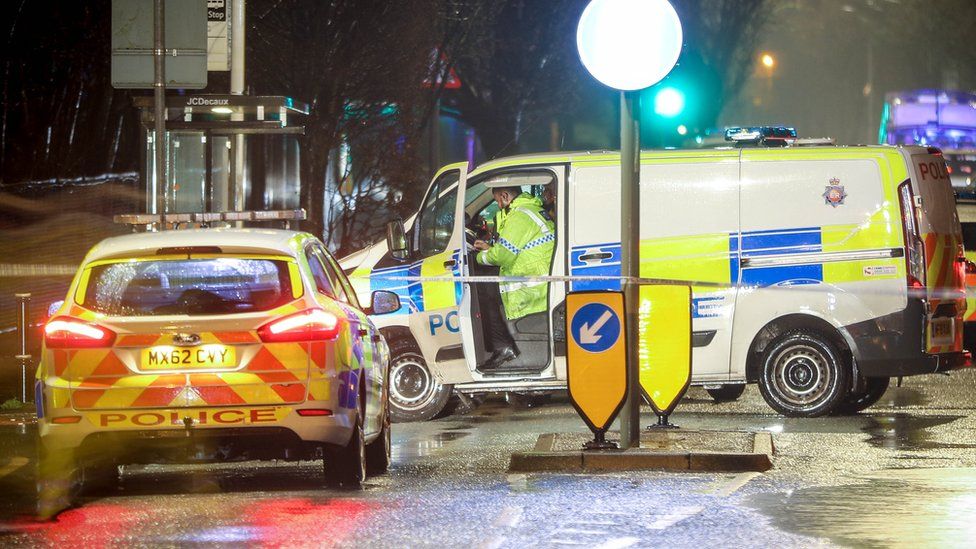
(346, 465)
(378, 452)
(414, 393)
(727, 393)
(859, 399)
(804, 374)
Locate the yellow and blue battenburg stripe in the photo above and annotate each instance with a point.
(415, 295)
(717, 258)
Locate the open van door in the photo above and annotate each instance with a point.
(940, 234)
(480, 304)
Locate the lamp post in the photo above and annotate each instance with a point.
(629, 45)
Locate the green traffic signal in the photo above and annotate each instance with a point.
(669, 102)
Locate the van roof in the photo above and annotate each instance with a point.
(568, 157)
(275, 241)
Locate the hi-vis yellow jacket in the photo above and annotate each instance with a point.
(525, 246)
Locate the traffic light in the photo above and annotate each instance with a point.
(669, 102)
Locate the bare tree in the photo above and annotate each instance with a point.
(361, 65)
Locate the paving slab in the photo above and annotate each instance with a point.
(665, 449)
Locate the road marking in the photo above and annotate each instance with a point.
(510, 517)
(726, 489)
(15, 463)
(492, 542)
(670, 519)
(618, 543)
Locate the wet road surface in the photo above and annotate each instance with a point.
(902, 473)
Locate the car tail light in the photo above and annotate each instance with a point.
(914, 247)
(308, 325)
(64, 332)
(315, 412)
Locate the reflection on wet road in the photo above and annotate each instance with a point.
(864, 480)
(895, 508)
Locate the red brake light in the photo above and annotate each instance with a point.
(64, 332)
(314, 412)
(308, 325)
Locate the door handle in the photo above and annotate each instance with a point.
(450, 263)
(601, 255)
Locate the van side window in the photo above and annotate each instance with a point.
(436, 222)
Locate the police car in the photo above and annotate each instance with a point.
(213, 345)
(818, 271)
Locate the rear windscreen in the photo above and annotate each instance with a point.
(188, 287)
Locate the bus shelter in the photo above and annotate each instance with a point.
(203, 135)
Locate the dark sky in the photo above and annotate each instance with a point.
(822, 50)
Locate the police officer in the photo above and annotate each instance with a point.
(526, 242)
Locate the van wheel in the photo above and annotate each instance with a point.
(346, 465)
(858, 400)
(727, 393)
(378, 452)
(804, 374)
(414, 393)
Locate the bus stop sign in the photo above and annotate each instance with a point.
(595, 356)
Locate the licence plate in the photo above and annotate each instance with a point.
(941, 330)
(203, 356)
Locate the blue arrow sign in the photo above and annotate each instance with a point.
(595, 327)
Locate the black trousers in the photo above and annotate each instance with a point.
(496, 331)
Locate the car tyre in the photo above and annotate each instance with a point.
(346, 465)
(859, 400)
(414, 393)
(804, 374)
(378, 452)
(727, 393)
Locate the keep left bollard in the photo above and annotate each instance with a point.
(23, 325)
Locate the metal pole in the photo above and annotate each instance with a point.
(159, 85)
(237, 88)
(630, 258)
(23, 325)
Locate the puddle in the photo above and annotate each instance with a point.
(907, 432)
(448, 436)
(895, 508)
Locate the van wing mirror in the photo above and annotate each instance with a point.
(396, 239)
(384, 302)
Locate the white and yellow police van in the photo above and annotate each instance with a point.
(819, 272)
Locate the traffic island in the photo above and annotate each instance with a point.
(660, 450)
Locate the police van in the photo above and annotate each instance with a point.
(818, 271)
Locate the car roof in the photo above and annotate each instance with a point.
(275, 241)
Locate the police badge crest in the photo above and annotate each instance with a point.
(834, 194)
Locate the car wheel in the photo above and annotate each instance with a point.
(378, 452)
(346, 465)
(727, 393)
(414, 393)
(858, 400)
(804, 374)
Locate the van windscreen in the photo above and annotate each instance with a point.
(187, 287)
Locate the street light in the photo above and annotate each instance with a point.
(768, 61)
(629, 45)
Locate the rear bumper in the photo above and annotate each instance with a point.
(212, 435)
(893, 345)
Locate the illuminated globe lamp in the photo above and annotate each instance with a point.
(629, 44)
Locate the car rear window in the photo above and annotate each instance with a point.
(188, 287)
